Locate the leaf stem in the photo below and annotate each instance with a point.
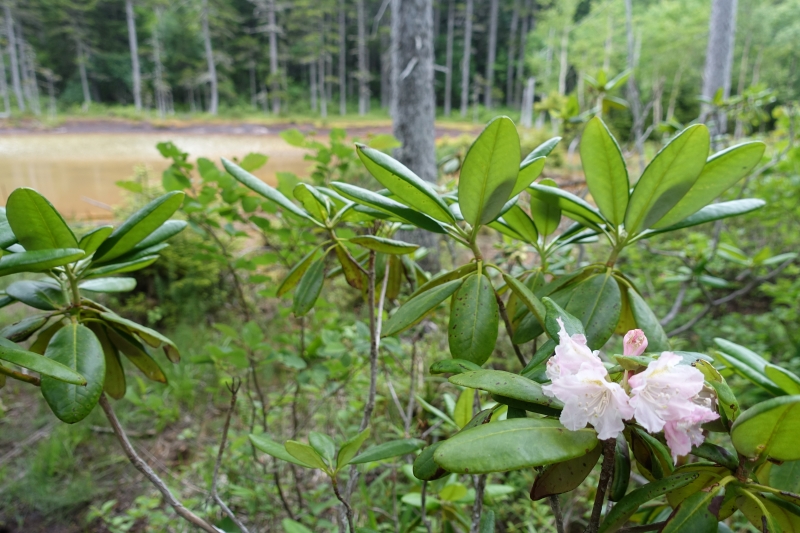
(27, 378)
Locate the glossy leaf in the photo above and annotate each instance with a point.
(786, 380)
(748, 372)
(109, 285)
(305, 454)
(350, 448)
(443, 278)
(323, 445)
(313, 202)
(45, 366)
(742, 354)
(628, 506)
(646, 320)
(667, 178)
(489, 172)
(769, 429)
(309, 288)
(20, 331)
(275, 449)
(425, 468)
(150, 336)
(545, 211)
(605, 170)
(714, 212)
(722, 171)
(255, 184)
(544, 149)
(414, 310)
(693, 514)
(384, 245)
(572, 206)
(776, 515)
(403, 183)
(134, 351)
(166, 231)
(75, 347)
(7, 237)
(139, 226)
(350, 269)
(534, 305)
(565, 476)
(38, 261)
(622, 470)
(92, 240)
(462, 413)
(121, 268)
(387, 450)
(36, 223)
(553, 313)
(114, 382)
(44, 295)
(511, 445)
(387, 205)
(474, 319)
(507, 384)
(453, 366)
(716, 454)
(708, 474)
(596, 302)
(296, 273)
(519, 221)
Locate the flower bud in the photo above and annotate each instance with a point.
(634, 343)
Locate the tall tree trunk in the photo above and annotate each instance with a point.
(386, 71)
(414, 99)
(363, 73)
(512, 48)
(548, 56)
(448, 75)
(274, 73)
(12, 53)
(719, 58)
(491, 53)
(28, 59)
(523, 43)
(673, 94)
(342, 59)
(323, 93)
(253, 90)
(4, 87)
(133, 43)
(465, 60)
(212, 67)
(51, 92)
(564, 66)
(739, 128)
(312, 74)
(526, 117)
(158, 81)
(87, 98)
(633, 91)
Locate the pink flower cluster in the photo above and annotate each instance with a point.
(664, 397)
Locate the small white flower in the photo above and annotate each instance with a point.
(571, 354)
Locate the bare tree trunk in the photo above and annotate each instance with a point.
(363, 73)
(323, 94)
(491, 53)
(386, 72)
(523, 43)
(633, 90)
(253, 90)
(564, 66)
(719, 58)
(465, 60)
(29, 65)
(414, 99)
(12, 53)
(757, 67)
(4, 87)
(548, 56)
(212, 67)
(87, 98)
(673, 94)
(448, 75)
(274, 72)
(739, 129)
(658, 95)
(133, 43)
(512, 48)
(526, 118)
(342, 59)
(160, 86)
(51, 92)
(312, 74)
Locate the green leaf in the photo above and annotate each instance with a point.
(109, 285)
(544, 149)
(721, 172)
(323, 445)
(167, 230)
(489, 172)
(714, 212)
(647, 321)
(785, 476)
(425, 468)
(7, 237)
(509, 385)
(529, 170)
(296, 273)
(44, 336)
(134, 351)
(786, 380)
(384, 245)
(565, 476)
(352, 273)
(748, 372)
(414, 310)
(38, 261)
(76, 347)
(32, 361)
(667, 178)
(572, 206)
(462, 413)
(554, 312)
(315, 203)
(253, 161)
(350, 448)
(276, 450)
(769, 429)
(387, 450)
(605, 170)
(139, 226)
(387, 205)
(404, 184)
(309, 288)
(19, 331)
(114, 382)
(150, 336)
(708, 475)
(474, 318)
(44, 295)
(628, 505)
(90, 242)
(255, 184)
(511, 445)
(121, 268)
(534, 305)
(443, 278)
(716, 454)
(768, 513)
(305, 454)
(693, 514)
(596, 302)
(519, 221)
(545, 211)
(453, 366)
(36, 223)
(289, 525)
(748, 357)
(452, 492)
(622, 470)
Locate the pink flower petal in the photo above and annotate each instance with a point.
(634, 343)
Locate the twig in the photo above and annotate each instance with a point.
(348, 509)
(555, 506)
(477, 507)
(639, 529)
(424, 517)
(676, 307)
(27, 378)
(142, 467)
(606, 471)
(509, 329)
(233, 387)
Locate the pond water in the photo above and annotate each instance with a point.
(78, 171)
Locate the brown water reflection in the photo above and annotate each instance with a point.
(78, 171)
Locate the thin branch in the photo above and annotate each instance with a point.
(27, 378)
(676, 307)
(606, 472)
(233, 387)
(509, 329)
(142, 467)
(423, 510)
(477, 507)
(348, 509)
(555, 506)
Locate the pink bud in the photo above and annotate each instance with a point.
(634, 343)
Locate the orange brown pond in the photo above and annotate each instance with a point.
(78, 171)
